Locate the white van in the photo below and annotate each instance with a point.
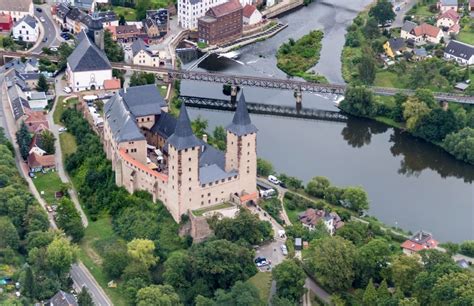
(267, 193)
(274, 180)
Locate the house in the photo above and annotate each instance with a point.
(407, 27)
(190, 173)
(419, 54)
(18, 102)
(62, 299)
(471, 6)
(418, 242)
(37, 145)
(36, 122)
(26, 29)
(298, 244)
(156, 23)
(189, 11)
(38, 163)
(222, 23)
(6, 22)
(460, 52)
(17, 9)
(463, 263)
(394, 47)
(311, 217)
(446, 5)
(425, 33)
(125, 33)
(87, 66)
(251, 15)
(449, 21)
(145, 56)
(112, 84)
(37, 100)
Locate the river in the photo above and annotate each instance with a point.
(411, 184)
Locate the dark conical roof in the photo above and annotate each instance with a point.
(183, 136)
(241, 124)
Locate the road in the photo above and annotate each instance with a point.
(79, 273)
(405, 6)
(50, 30)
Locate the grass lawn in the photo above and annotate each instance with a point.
(263, 282)
(127, 12)
(292, 214)
(390, 122)
(466, 36)
(163, 90)
(387, 78)
(61, 107)
(98, 233)
(48, 183)
(68, 144)
(200, 212)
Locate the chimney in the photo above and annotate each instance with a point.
(204, 138)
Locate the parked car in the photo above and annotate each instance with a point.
(283, 185)
(260, 259)
(284, 250)
(274, 180)
(53, 49)
(67, 89)
(42, 19)
(39, 10)
(49, 209)
(62, 129)
(45, 39)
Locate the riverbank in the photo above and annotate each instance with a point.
(295, 58)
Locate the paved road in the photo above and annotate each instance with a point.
(405, 6)
(320, 292)
(50, 31)
(79, 273)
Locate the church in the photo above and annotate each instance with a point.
(152, 150)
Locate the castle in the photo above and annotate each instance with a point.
(152, 150)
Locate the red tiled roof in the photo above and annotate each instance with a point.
(35, 160)
(451, 14)
(224, 8)
(141, 166)
(426, 29)
(416, 246)
(112, 84)
(248, 10)
(248, 197)
(455, 28)
(36, 119)
(5, 19)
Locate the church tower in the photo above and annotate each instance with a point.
(183, 165)
(241, 153)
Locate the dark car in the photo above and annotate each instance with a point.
(282, 185)
(45, 39)
(260, 259)
(39, 10)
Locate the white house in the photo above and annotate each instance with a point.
(422, 34)
(459, 52)
(450, 21)
(251, 15)
(88, 66)
(148, 56)
(446, 5)
(37, 100)
(189, 11)
(27, 29)
(17, 9)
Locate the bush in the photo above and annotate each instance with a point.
(467, 248)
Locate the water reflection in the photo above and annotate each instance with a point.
(358, 132)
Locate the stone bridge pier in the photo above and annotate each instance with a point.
(299, 99)
(233, 93)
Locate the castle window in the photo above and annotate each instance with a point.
(185, 150)
(202, 196)
(209, 194)
(189, 170)
(190, 179)
(216, 199)
(229, 178)
(203, 185)
(189, 188)
(223, 180)
(248, 144)
(209, 201)
(189, 159)
(202, 203)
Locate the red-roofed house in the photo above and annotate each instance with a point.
(35, 121)
(37, 163)
(425, 33)
(221, 23)
(418, 242)
(6, 23)
(449, 21)
(251, 15)
(112, 84)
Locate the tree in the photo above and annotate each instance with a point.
(84, 298)
(404, 272)
(461, 144)
(28, 284)
(115, 260)
(426, 96)
(371, 28)
(367, 68)
(436, 125)
(42, 83)
(220, 137)
(122, 20)
(23, 138)
(264, 168)
(159, 295)
(8, 235)
(331, 260)
(69, 220)
(141, 6)
(370, 294)
(112, 49)
(61, 254)
(290, 279)
(454, 289)
(467, 248)
(356, 199)
(240, 294)
(36, 219)
(370, 259)
(359, 101)
(317, 186)
(141, 250)
(383, 295)
(48, 139)
(382, 11)
(199, 126)
(414, 110)
(64, 51)
(141, 78)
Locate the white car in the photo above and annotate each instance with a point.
(62, 129)
(67, 90)
(284, 250)
(42, 19)
(274, 180)
(53, 49)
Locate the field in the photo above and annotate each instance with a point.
(68, 144)
(466, 35)
(263, 282)
(48, 183)
(387, 79)
(61, 107)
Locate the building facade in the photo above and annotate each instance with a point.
(6, 22)
(145, 56)
(189, 11)
(460, 52)
(26, 29)
(17, 9)
(153, 151)
(221, 23)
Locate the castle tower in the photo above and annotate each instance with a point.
(96, 32)
(183, 165)
(241, 153)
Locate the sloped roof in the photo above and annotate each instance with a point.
(112, 84)
(5, 18)
(449, 2)
(29, 20)
(212, 173)
(459, 49)
(143, 100)
(183, 136)
(63, 299)
(241, 123)
(396, 43)
(35, 160)
(164, 125)
(224, 8)
(121, 122)
(426, 29)
(408, 26)
(15, 5)
(88, 57)
(18, 102)
(137, 46)
(248, 10)
(450, 14)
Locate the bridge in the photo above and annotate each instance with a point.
(266, 109)
(256, 81)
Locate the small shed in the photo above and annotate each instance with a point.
(298, 244)
(461, 86)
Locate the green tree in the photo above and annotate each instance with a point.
(36, 219)
(199, 126)
(141, 250)
(426, 96)
(461, 144)
(115, 259)
(8, 235)
(141, 6)
(383, 295)
(64, 51)
(264, 168)
(290, 279)
(122, 20)
(455, 289)
(467, 248)
(112, 49)
(23, 138)
(48, 139)
(413, 110)
(157, 295)
(317, 186)
(382, 11)
(240, 294)
(370, 259)
(404, 272)
(356, 199)
(28, 283)
(220, 137)
(141, 78)
(367, 69)
(371, 28)
(436, 125)
(42, 84)
(61, 254)
(84, 298)
(370, 294)
(359, 101)
(69, 220)
(332, 254)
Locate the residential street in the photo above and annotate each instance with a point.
(405, 6)
(50, 31)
